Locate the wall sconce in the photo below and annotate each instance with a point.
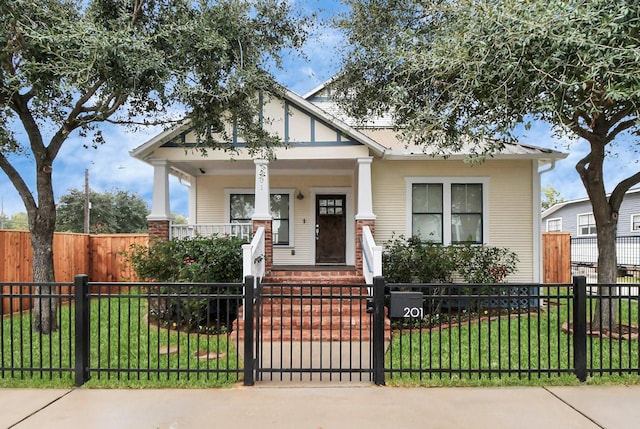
(300, 196)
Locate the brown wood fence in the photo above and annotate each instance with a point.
(99, 256)
(556, 257)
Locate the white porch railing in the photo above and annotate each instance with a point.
(371, 256)
(240, 230)
(253, 260)
(253, 256)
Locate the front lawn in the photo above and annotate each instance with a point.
(126, 351)
(526, 349)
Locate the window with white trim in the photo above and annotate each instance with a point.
(554, 225)
(586, 224)
(447, 210)
(242, 207)
(635, 222)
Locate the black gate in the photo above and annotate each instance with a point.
(313, 332)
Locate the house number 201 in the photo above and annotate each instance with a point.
(413, 312)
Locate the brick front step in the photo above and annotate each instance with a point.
(331, 276)
(328, 309)
(297, 290)
(313, 305)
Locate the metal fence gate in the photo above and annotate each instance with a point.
(313, 332)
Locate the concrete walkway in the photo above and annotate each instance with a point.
(325, 406)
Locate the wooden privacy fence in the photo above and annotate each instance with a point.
(99, 256)
(556, 257)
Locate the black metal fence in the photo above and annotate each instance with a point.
(505, 330)
(153, 334)
(584, 258)
(127, 333)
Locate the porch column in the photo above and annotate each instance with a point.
(159, 219)
(365, 215)
(262, 211)
(262, 214)
(365, 195)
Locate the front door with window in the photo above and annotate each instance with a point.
(331, 229)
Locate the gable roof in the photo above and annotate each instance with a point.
(146, 148)
(397, 149)
(378, 135)
(554, 208)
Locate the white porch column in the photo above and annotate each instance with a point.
(365, 194)
(160, 199)
(262, 211)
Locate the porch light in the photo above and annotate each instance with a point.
(300, 196)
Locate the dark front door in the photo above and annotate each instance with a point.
(331, 229)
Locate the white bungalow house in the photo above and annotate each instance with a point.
(339, 187)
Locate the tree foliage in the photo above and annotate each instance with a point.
(111, 212)
(16, 221)
(455, 72)
(550, 197)
(68, 66)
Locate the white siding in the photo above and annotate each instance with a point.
(510, 201)
(211, 205)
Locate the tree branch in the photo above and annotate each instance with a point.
(144, 123)
(18, 183)
(137, 11)
(581, 166)
(615, 200)
(19, 105)
(71, 123)
(622, 126)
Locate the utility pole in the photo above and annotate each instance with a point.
(87, 204)
(2, 214)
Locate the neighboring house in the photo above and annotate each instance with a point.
(576, 218)
(336, 181)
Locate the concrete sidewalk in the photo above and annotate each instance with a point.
(325, 406)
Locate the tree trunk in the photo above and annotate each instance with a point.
(606, 310)
(605, 213)
(42, 226)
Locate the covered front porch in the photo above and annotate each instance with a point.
(309, 214)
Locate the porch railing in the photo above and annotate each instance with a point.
(253, 255)
(240, 230)
(371, 256)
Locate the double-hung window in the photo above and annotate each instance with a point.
(635, 223)
(447, 210)
(242, 207)
(586, 224)
(554, 225)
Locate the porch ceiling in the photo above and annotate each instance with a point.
(218, 167)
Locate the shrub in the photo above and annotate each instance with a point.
(485, 264)
(190, 260)
(413, 261)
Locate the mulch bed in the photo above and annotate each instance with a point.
(621, 332)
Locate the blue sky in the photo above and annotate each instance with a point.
(111, 167)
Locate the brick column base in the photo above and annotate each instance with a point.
(268, 242)
(158, 230)
(359, 225)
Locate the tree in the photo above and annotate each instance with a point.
(178, 219)
(550, 197)
(111, 212)
(16, 221)
(468, 72)
(68, 67)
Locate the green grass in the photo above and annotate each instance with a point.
(149, 351)
(508, 347)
